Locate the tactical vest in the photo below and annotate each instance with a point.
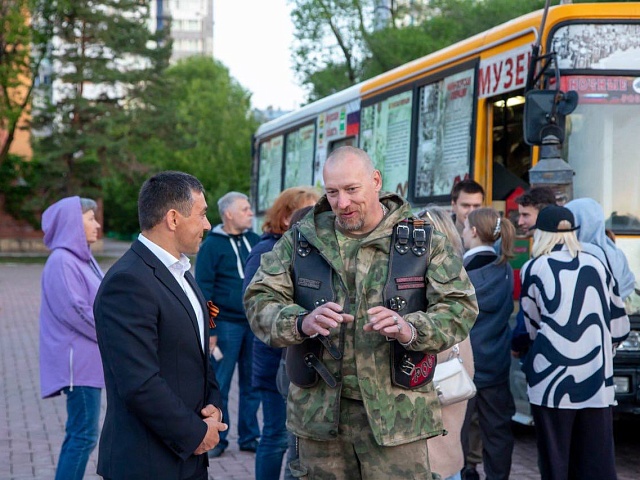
(404, 292)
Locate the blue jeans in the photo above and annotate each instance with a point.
(83, 415)
(235, 340)
(273, 442)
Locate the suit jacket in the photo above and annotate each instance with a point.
(157, 376)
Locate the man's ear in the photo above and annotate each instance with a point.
(171, 219)
(377, 180)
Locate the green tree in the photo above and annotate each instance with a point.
(441, 24)
(25, 32)
(104, 58)
(328, 45)
(336, 45)
(200, 122)
(215, 120)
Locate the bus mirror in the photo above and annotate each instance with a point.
(545, 112)
(568, 102)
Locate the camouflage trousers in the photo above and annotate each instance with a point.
(356, 455)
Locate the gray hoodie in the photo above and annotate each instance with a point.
(590, 217)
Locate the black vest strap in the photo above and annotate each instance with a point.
(313, 286)
(405, 292)
(405, 288)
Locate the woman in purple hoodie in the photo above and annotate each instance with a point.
(69, 357)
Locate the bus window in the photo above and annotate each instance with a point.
(337, 126)
(602, 148)
(511, 156)
(385, 134)
(443, 153)
(299, 157)
(270, 172)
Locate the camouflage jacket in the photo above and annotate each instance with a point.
(397, 416)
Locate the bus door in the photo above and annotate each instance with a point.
(511, 156)
(510, 164)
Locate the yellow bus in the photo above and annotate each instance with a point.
(458, 113)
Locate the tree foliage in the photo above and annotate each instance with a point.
(328, 43)
(336, 45)
(103, 58)
(25, 32)
(215, 121)
(112, 112)
(197, 120)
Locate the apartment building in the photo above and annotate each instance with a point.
(191, 24)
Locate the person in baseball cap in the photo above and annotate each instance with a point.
(555, 219)
(575, 319)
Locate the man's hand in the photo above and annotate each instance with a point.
(211, 412)
(388, 323)
(213, 341)
(326, 316)
(213, 417)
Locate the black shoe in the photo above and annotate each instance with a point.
(469, 473)
(217, 451)
(251, 446)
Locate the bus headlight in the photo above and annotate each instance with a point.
(621, 384)
(631, 343)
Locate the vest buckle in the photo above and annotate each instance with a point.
(402, 239)
(419, 241)
(304, 249)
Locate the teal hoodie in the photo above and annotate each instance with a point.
(220, 271)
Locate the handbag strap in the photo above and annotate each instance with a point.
(455, 350)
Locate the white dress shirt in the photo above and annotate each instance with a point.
(178, 267)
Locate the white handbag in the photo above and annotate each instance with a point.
(452, 382)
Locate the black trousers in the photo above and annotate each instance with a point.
(495, 408)
(575, 444)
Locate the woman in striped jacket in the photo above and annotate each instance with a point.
(575, 319)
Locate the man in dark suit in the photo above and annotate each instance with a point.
(163, 402)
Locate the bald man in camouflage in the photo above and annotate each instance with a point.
(355, 421)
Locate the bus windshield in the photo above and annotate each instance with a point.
(601, 148)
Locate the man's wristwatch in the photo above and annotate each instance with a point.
(299, 320)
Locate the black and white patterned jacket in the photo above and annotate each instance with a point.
(575, 318)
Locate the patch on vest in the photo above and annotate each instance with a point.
(406, 283)
(423, 371)
(308, 283)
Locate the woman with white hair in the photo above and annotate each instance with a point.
(575, 319)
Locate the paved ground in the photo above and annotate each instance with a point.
(32, 429)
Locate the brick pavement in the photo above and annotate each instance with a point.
(32, 429)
